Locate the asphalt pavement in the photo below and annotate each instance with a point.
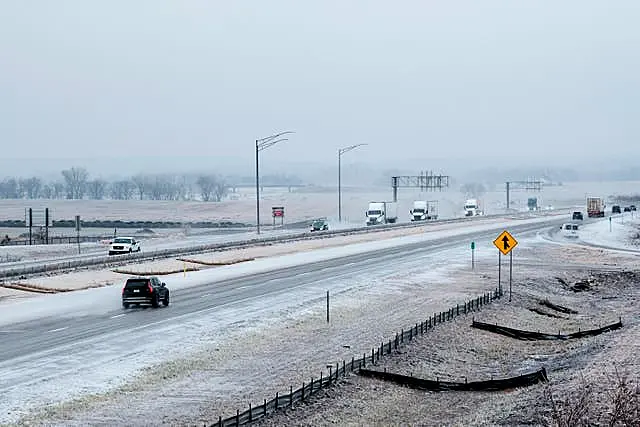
(39, 338)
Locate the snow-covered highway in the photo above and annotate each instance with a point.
(59, 347)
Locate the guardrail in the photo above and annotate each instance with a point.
(117, 260)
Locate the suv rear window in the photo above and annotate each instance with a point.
(137, 283)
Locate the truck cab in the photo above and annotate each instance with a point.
(472, 208)
(381, 213)
(424, 210)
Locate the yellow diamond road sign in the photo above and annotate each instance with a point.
(505, 242)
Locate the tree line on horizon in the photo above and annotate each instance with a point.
(76, 184)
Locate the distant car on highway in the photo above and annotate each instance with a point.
(145, 291)
(632, 207)
(124, 245)
(627, 209)
(615, 209)
(319, 224)
(577, 215)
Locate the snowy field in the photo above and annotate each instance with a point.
(256, 347)
(622, 231)
(185, 339)
(302, 204)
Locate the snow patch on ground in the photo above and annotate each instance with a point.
(621, 232)
(212, 364)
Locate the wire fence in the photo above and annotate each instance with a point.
(308, 389)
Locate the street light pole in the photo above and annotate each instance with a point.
(341, 151)
(263, 144)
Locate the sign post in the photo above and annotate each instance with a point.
(505, 243)
(473, 249)
(609, 224)
(78, 231)
(277, 212)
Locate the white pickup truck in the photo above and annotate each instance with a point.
(124, 245)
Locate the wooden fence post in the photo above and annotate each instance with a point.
(311, 389)
(303, 391)
(276, 400)
(364, 360)
(353, 362)
(320, 379)
(250, 413)
(290, 396)
(237, 417)
(265, 408)
(337, 370)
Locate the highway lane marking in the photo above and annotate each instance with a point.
(205, 295)
(59, 329)
(117, 315)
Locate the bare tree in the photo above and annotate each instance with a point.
(122, 190)
(97, 189)
(76, 182)
(58, 190)
(9, 189)
(212, 188)
(207, 185)
(142, 184)
(47, 191)
(220, 191)
(31, 187)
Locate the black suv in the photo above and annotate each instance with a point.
(145, 290)
(615, 209)
(577, 215)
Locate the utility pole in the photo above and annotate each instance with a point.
(341, 151)
(263, 144)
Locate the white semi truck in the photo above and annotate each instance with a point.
(424, 210)
(382, 213)
(472, 207)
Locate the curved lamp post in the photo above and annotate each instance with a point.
(263, 144)
(341, 151)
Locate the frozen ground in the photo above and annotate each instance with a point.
(456, 352)
(258, 347)
(303, 204)
(620, 232)
(20, 255)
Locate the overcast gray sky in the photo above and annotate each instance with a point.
(414, 79)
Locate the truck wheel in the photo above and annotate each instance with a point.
(165, 300)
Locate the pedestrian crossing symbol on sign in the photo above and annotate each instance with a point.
(505, 242)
